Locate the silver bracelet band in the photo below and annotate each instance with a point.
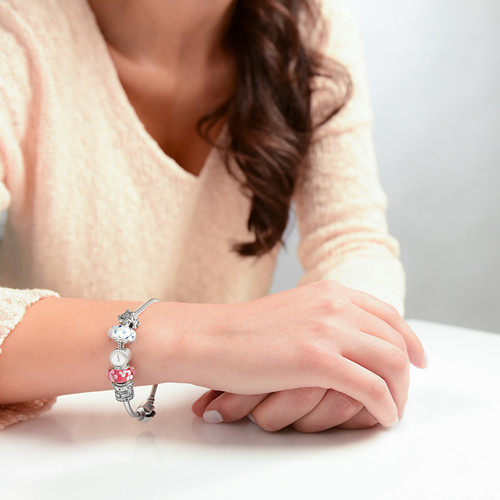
(121, 375)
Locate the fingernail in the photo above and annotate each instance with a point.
(212, 417)
(426, 359)
(250, 417)
(395, 423)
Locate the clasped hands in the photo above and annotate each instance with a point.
(314, 409)
(306, 409)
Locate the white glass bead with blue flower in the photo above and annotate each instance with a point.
(121, 333)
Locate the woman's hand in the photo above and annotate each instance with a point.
(305, 409)
(321, 335)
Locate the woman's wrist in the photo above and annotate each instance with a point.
(65, 345)
(180, 340)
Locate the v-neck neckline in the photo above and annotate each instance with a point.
(129, 114)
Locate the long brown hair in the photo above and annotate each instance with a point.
(269, 114)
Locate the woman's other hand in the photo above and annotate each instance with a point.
(305, 409)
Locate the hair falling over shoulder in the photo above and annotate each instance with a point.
(268, 116)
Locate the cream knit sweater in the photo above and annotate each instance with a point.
(97, 210)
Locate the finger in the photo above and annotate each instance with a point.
(365, 386)
(384, 359)
(232, 407)
(333, 410)
(362, 420)
(199, 406)
(377, 327)
(391, 316)
(283, 408)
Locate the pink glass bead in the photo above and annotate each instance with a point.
(119, 376)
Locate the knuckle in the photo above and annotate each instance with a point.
(333, 305)
(392, 314)
(339, 305)
(318, 326)
(401, 345)
(378, 390)
(330, 298)
(399, 360)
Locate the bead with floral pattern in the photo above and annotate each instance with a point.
(120, 376)
(121, 333)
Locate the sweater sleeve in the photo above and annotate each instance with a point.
(15, 99)
(340, 205)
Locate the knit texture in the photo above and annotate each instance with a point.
(13, 304)
(97, 210)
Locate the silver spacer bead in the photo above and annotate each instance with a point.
(124, 392)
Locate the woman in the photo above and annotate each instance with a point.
(153, 149)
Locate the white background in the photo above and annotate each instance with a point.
(434, 71)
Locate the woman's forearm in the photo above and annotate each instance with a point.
(61, 345)
(317, 335)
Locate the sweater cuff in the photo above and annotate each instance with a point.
(22, 412)
(388, 285)
(381, 275)
(13, 304)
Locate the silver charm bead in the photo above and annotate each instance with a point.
(129, 318)
(124, 392)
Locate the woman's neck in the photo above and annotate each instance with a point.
(164, 32)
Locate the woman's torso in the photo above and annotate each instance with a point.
(98, 209)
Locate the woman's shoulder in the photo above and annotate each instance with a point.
(42, 11)
(29, 30)
(44, 22)
(41, 42)
(29, 15)
(39, 38)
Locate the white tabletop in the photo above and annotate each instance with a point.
(447, 446)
